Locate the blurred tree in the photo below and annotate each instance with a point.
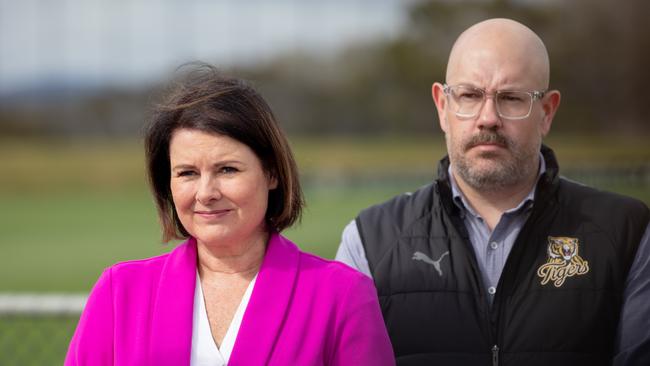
(599, 53)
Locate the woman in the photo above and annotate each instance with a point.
(235, 292)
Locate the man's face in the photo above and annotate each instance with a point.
(488, 151)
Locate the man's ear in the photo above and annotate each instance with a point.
(440, 99)
(550, 104)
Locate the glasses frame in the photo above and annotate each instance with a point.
(534, 95)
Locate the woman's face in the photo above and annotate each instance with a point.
(219, 188)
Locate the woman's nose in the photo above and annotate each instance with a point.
(208, 190)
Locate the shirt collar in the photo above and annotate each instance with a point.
(461, 201)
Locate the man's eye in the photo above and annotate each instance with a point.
(511, 98)
(470, 96)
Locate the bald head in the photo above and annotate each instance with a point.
(499, 51)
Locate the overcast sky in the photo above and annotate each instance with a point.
(132, 41)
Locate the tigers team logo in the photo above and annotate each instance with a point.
(563, 261)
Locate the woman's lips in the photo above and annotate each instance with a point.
(212, 214)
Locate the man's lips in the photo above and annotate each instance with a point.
(487, 146)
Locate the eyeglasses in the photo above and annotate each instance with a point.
(510, 104)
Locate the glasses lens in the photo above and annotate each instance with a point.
(513, 104)
(467, 100)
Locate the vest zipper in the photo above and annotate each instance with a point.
(495, 355)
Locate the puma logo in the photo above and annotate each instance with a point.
(419, 256)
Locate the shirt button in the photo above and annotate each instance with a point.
(492, 290)
(494, 245)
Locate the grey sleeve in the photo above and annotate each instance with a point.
(633, 338)
(351, 250)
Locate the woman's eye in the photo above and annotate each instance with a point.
(185, 173)
(228, 170)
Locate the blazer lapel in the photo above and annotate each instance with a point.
(268, 305)
(171, 316)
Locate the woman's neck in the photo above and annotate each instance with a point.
(241, 259)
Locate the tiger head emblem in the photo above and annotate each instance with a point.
(562, 247)
(563, 261)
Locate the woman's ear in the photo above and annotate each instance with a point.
(272, 180)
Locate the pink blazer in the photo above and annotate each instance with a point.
(304, 310)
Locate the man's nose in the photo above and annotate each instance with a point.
(208, 190)
(488, 116)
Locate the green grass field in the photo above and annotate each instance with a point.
(71, 209)
(61, 242)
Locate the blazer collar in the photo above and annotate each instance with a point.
(268, 304)
(171, 316)
(171, 319)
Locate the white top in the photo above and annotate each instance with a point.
(204, 350)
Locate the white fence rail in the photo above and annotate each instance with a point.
(41, 304)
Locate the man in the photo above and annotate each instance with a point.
(500, 259)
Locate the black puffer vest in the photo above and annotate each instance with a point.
(559, 296)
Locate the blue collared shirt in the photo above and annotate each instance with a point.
(493, 247)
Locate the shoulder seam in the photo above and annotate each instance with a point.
(143, 260)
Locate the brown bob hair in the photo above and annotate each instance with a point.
(203, 99)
